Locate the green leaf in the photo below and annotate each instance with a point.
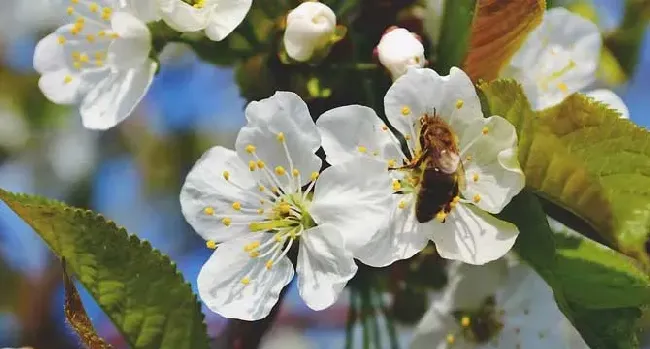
(454, 35)
(137, 287)
(582, 157)
(76, 316)
(625, 42)
(599, 290)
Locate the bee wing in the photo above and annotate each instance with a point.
(460, 175)
(448, 161)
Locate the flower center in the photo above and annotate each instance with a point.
(551, 76)
(478, 326)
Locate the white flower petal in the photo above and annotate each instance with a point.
(309, 26)
(61, 86)
(432, 331)
(493, 173)
(355, 197)
(324, 266)
(351, 131)
(612, 100)
(399, 50)
(286, 115)
(401, 238)
(144, 10)
(473, 236)
(557, 59)
(114, 98)
(421, 91)
(49, 54)
(225, 17)
(221, 282)
(132, 48)
(183, 17)
(206, 187)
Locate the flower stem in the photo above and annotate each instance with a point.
(352, 319)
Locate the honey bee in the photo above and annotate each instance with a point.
(441, 170)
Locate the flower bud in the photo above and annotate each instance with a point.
(311, 29)
(399, 50)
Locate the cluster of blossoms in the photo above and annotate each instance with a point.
(270, 202)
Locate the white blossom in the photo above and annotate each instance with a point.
(217, 18)
(255, 204)
(560, 58)
(487, 153)
(100, 60)
(399, 50)
(310, 27)
(503, 304)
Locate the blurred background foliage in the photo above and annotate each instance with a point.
(132, 174)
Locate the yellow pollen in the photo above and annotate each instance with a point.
(76, 65)
(459, 103)
(384, 128)
(93, 7)
(69, 10)
(251, 165)
(284, 208)
(260, 211)
(75, 30)
(476, 198)
(407, 137)
(236, 206)
(209, 211)
(468, 158)
(115, 35)
(101, 33)
(251, 246)
(83, 58)
(456, 199)
(396, 185)
(485, 130)
(260, 164)
(226, 221)
(402, 204)
(261, 188)
(99, 55)
(451, 339)
(245, 281)
(280, 171)
(226, 175)
(563, 87)
(99, 63)
(90, 38)
(75, 55)
(475, 177)
(269, 264)
(67, 79)
(74, 1)
(250, 149)
(275, 190)
(465, 321)
(295, 172)
(254, 254)
(392, 163)
(441, 216)
(406, 110)
(281, 136)
(199, 4)
(262, 202)
(61, 40)
(362, 149)
(81, 20)
(211, 244)
(106, 13)
(314, 176)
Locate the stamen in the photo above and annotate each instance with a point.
(392, 163)
(406, 110)
(441, 216)
(314, 176)
(236, 206)
(252, 165)
(226, 221)
(280, 137)
(362, 149)
(245, 281)
(459, 103)
(280, 171)
(384, 128)
(208, 211)
(451, 339)
(211, 244)
(476, 198)
(485, 130)
(465, 321)
(251, 246)
(563, 88)
(295, 172)
(260, 164)
(402, 204)
(475, 177)
(396, 185)
(250, 149)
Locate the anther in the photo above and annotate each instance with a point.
(465, 321)
(236, 206)
(485, 130)
(407, 137)
(362, 149)
(269, 264)
(563, 87)
(208, 211)
(459, 103)
(252, 165)
(70, 10)
(451, 339)
(402, 204)
(90, 38)
(261, 188)
(67, 79)
(93, 7)
(245, 281)
(406, 110)
(475, 177)
(468, 158)
(260, 164)
(396, 185)
(250, 149)
(314, 176)
(251, 246)
(295, 172)
(226, 221)
(226, 175)
(384, 128)
(260, 211)
(211, 244)
(284, 208)
(61, 40)
(476, 198)
(375, 153)
(392, 163)
(280, 171)
(441, 216)
(280, 136)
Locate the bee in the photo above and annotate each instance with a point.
(442, 176)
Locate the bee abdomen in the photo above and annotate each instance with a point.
(437, 190)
